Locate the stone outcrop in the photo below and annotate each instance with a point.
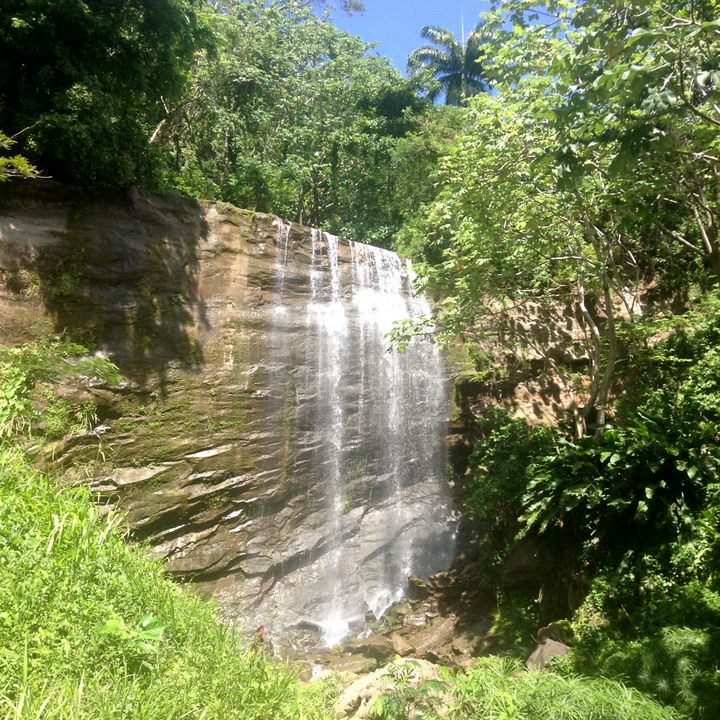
(210, 447)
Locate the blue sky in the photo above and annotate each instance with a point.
(395, 24)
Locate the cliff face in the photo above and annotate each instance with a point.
(231, 327)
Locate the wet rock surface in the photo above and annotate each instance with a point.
(445, 620)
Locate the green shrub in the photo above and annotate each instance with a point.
(408, 697)
(648, 486)
(633, 513)
(28, 372)
(678, 666)
(500, 475)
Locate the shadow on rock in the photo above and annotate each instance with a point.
(114, 270)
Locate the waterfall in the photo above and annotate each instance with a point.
(370, 426)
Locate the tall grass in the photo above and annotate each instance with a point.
(678, 666)
(90, 628)
(501, 689)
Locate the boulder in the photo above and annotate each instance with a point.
(560, 630)
(376, 647)
(351, 664)
(356, 700)
(418, 589)
(400, 645)
(544, 652)
(436, 637)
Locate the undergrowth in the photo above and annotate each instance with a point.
(679, 666)
(30, 376)
(91, 629)
(628, 519)
(498, 688)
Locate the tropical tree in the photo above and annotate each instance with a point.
(639, 85)
(348, 6)
(455, 65)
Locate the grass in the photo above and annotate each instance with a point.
(501, 689)
(679, 666)
(90, 628)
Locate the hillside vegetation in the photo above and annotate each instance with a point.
(590, 181)
(91, 628)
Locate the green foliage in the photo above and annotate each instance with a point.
(348, 6)
(500, 476)
(12, 166)
(14, 403)
(92, 629)
(408, 697)
(27, 376)
(640, 505)
(501, 689)
(516, 618)
(263, 104)
(653, 476)
(649, 473)
(287, 114)
(592, 168)
(88, 80)
(415, 160)
(592, 172)
(139, 642)
(678, 666)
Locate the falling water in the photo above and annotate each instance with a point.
(371, 429)
(327, 317)
(282, 242)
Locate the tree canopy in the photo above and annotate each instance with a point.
(595, 164)
(291, 115)
(87, 80)
(13, 166)
(262, 103)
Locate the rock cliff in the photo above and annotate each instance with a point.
(235, 332)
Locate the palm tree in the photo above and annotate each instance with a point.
(455, 64)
